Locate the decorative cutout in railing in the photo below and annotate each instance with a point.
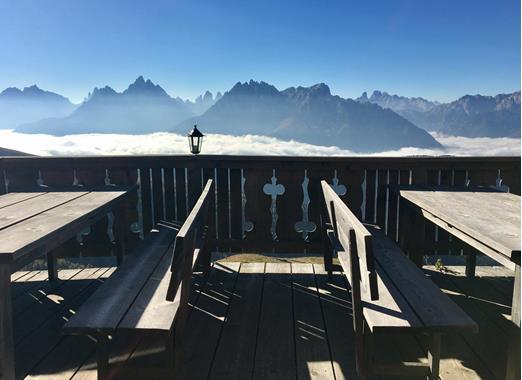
(305, 226)
(274, 190)
(339, 189)
(247, 225)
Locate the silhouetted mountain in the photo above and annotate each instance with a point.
(11, 152)
(309, 114)
(143, 107)
(471, 116)
(202, 102)
(30, 104)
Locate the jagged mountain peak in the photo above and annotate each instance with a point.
(145, 88)
(253, 88)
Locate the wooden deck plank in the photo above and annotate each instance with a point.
(337, 312)
(34, 348)
(19, 288)
(489, 344)
(13, 198)
(311, 344)
(236, 350)
(207, 318)
(275, 352)
(18, 212)
(46, 306)
(41, 290)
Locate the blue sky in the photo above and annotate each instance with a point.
(436, 49)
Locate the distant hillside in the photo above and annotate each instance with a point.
(312, 115)
(471, 115)
(144, 107)
(31, 104)
(12, 152)
(202, 102)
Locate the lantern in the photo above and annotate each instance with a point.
(195, 138)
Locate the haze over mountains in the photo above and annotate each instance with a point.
(30, 104)
(305, 114)
(470, 115)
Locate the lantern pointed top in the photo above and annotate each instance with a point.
(195, 132)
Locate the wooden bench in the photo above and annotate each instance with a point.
(149, 292)
(389, 292)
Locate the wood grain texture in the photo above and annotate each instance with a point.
(492, 218)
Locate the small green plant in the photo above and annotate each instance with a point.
(440, 266)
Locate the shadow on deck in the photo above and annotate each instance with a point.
(257, 320)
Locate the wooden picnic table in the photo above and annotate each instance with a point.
(33, 224)
(489, 221)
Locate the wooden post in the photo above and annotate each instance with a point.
(327, 251)
(120, 225)
(7, 368)
(515, 305)
(102, 356)
(471, 261)
(52, 267)
(434, 357)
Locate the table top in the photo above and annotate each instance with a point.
(491, 217)
(29, 220)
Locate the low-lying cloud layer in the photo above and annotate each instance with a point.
(169, 143)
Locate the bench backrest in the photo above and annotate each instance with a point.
(353, 238)
(190, 241)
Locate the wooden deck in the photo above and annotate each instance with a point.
(260, 321)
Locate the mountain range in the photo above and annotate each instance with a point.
(30, 104)
(311, 115)
(305, 114)
(470, 115)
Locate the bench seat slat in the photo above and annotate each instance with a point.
(434, 308)
(150, 310)
(104, 310)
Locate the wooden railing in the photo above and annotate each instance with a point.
(261, 203)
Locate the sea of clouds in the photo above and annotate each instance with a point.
(170, 143)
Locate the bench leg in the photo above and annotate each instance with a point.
(102, 356)
(7, 368)
(434, 357)
(120, 220)
(52, 267)
(327, 251)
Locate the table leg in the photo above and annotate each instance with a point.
(513, 360)
(120, 220)
(52, 267)
(515, 305)
(7, 369)
(471, 261)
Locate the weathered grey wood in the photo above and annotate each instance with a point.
(7, 369)
(490, 217)
(275, 352)
(13, 198)
(191, 237)
(435, 310)
(207, 319)
(52, 266)
(312, 349)
(150, 310)
(336, 308)
(237, 344)
(477, 244)
(434, 357)
(48, 229)
(106, 308)
(345, 219)
(28, 208)
(49, 333)
(515, 306)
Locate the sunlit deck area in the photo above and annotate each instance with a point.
(266, 308)
(276, 320)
